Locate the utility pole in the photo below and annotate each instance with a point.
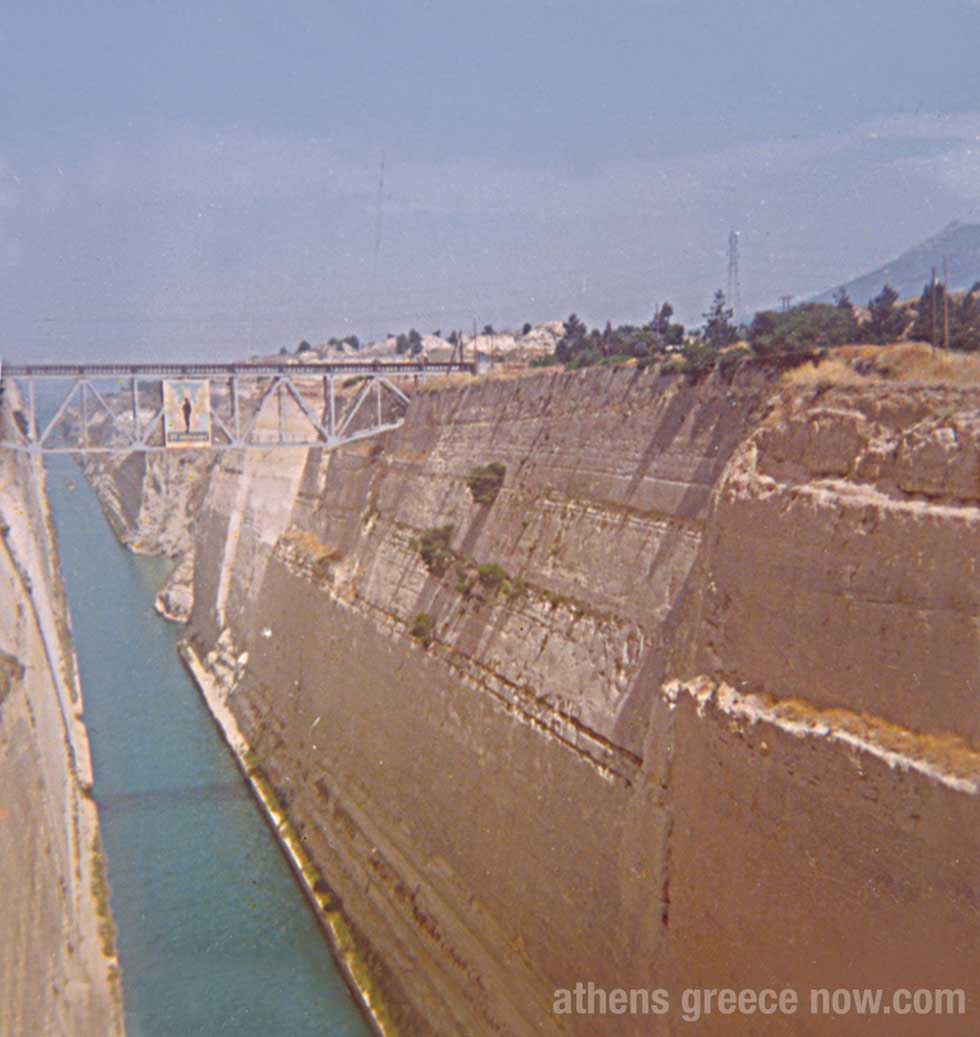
(945, 306)
(935, 325)
(785, 300)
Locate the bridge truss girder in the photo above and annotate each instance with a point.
(327, 418)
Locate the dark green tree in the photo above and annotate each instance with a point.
(572, 341)
(664, 332)
(842, 300)
(718, 328)
(801, 331)
(886, 322)
(964, 323)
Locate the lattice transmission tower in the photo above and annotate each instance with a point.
(734, 292)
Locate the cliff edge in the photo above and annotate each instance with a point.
(58, 970)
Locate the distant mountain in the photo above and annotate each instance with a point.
(959, 243)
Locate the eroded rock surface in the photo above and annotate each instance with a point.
(692, 702)
(58, 971)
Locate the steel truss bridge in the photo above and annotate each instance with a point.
(147, 408)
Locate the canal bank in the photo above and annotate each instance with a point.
(58, 968)
(214, 935)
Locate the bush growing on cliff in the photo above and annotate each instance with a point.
(11, 672)
(729, 361)
(697, 360)
(433, 546)
(484, 481)
(492, 575)
(465, 579)
(423, 629)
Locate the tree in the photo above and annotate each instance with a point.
(488, 329)
(572, 341)
(886, 322)
(963, 318)
(353, 341)
(303, 347)
(665, 333)
(526, 330)
(802, 331)
(410, 343)
(964, 321)
(929, 314)
(842, 300)
(718, 328)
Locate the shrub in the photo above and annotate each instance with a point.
(802, 331)
(697, 359)
(492, 575)
(464, 580)
(423, 629)
(584, 359)
(484, 481)
(729, 360)
(433, 546)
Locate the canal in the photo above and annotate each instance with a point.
(214, 935)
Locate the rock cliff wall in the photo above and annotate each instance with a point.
(151, 502)
(691, 703)
(58, 973)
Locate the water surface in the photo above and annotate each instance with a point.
(214, 935)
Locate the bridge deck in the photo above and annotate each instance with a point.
(389, 368)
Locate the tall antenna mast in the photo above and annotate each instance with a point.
(734, 284)
(378, 227)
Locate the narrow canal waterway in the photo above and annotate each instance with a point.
(214, 935)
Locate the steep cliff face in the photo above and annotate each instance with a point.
(152, 502)
(668, 712)
(58, 972)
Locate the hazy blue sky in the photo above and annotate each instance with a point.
(202, 179)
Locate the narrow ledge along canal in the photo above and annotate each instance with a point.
(215, 937)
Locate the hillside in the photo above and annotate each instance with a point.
(959, 243)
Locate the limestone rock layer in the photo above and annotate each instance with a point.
(691, 702)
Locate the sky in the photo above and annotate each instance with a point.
(195, 181)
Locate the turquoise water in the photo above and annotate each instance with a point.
(214, 935)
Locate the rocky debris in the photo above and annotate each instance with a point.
(225, 663)
(175, 600)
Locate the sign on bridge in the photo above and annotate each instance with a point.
(187, 413)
